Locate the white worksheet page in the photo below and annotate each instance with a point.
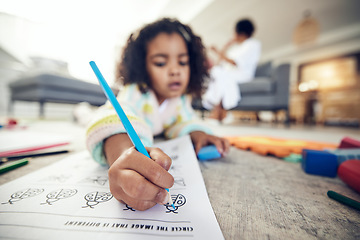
(71, 199)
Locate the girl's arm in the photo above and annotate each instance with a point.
(134, 178)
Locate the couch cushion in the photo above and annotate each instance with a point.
(258, 85)
(263, 70)
(47, 80)
(56, 88)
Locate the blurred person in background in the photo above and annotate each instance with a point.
(237, 62)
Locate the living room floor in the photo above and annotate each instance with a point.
(270, 197)
(329, 134)
(59, 119)
(305, 132)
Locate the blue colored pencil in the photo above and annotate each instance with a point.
(124, 119)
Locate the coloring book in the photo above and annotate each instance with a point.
(70, 199)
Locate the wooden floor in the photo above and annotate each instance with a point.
(254, 196)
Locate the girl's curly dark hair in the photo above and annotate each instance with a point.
(132, 66)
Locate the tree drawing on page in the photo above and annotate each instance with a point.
(175, 149)
(61, 178)
(129, 208)
(99, 180)
(179, 181)
(94, 198)
(174, 157)
(59, 194)
(179, 200)
(175, 169)
(26, 193)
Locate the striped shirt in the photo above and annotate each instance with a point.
(174, 118)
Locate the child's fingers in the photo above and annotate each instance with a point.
(147, 168)
(226, 144)
(219, 146)
(160, 157)
(141, 205)
(222, 145)
(199, 145)
(137, 187)
(136, 204)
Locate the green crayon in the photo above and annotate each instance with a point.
(10, 166)
(343, 199)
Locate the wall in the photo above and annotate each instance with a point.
(13, 60)
(336, 43)
(15, 51)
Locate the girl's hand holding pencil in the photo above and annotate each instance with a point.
(134, 179)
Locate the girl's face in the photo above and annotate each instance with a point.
(167, 63)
